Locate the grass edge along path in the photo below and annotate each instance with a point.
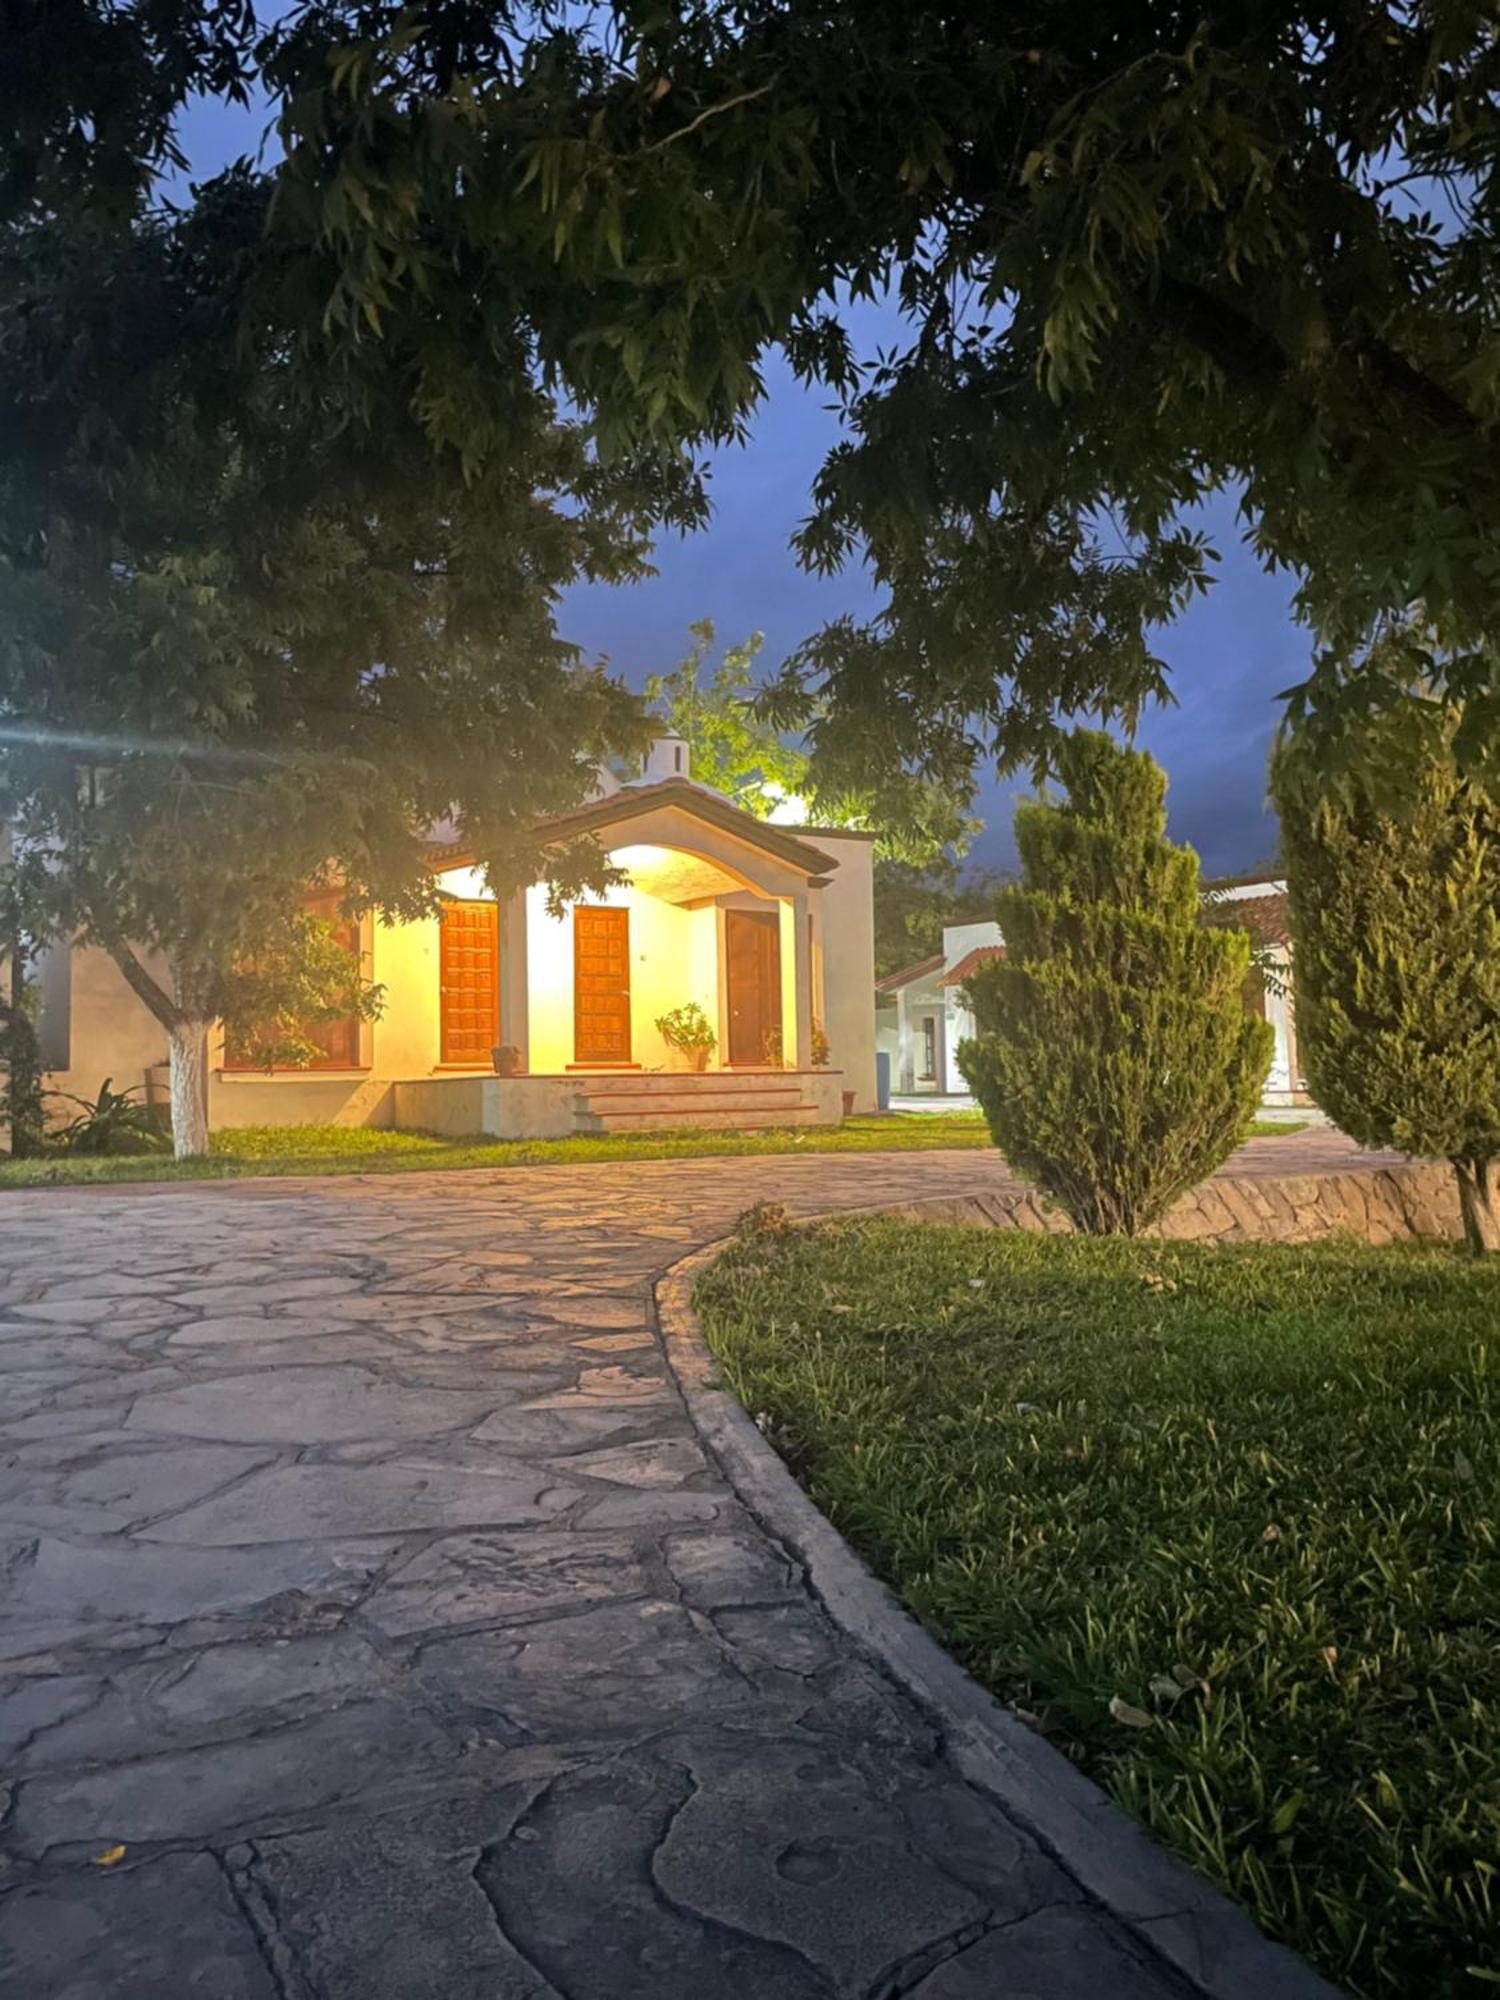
(262, 1150)
(1224, 1522)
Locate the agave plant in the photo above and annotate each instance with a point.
(113, 1122)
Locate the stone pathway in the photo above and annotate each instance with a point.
(373, 1626)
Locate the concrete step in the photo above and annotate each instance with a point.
(687, 1103)
(647, 1083)
(721, 1120)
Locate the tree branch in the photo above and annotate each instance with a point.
(1227, 331)
(144, 987)
(712, 111)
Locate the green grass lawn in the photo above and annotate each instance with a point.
(1249, 1496)
(364, 1149)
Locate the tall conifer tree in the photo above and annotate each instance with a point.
(1393, 866)
(1115, 1060)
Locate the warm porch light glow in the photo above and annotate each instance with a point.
(640, 857)
(674, 874)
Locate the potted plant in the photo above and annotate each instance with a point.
(686, 1029)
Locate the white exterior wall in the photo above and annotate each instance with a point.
(918, 1001)
(1284, 1081)
(888, 1034)
(958, 941)
(94, 1022)
(846, 926)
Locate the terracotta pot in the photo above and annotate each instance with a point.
(506, 1058)
(697, 1059)
(848, 1103)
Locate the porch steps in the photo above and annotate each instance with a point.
(701, 1121)
(721, 1101)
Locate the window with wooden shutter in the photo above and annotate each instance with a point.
(337, 1041)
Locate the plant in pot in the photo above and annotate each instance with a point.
(687, 1031)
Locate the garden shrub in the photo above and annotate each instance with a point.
(1115, 1060)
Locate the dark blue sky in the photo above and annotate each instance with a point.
(1229, 655)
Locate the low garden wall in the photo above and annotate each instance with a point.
(1376, 1204)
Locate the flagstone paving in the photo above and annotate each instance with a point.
(374, 1626)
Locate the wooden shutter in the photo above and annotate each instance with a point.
(336, 1041)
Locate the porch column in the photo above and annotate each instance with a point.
(515, 977)
(817, 962)
(800, 1049)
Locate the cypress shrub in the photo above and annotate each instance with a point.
(1393, 876)
(1115, 1060)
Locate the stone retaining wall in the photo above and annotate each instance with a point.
(1378, 1205)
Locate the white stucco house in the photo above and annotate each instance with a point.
(768, 929)
(922, 1012)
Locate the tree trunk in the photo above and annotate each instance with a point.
(1479, 1203)
(188, 1041)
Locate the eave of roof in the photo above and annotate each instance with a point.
(971, 961)
(1267, 918)
(632, 801)
(888, 982)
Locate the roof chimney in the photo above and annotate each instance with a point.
(668, 757)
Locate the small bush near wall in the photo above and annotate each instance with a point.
(1223, 1523)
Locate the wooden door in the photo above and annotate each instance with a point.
(468, 982)
(752, 979)
(601, 986)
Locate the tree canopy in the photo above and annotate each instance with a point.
(712, 709)
(257, 629)
(915, 902)
(738, 750)
(1144, 253)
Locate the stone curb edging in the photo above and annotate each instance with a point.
(1158, 1898)
(1415, 1201)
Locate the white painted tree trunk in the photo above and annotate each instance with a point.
(188, 1041)
(1479, 1203)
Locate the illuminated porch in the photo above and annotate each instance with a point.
(504, 1019)
(698, 919)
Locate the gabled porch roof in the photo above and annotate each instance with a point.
(697, 801)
